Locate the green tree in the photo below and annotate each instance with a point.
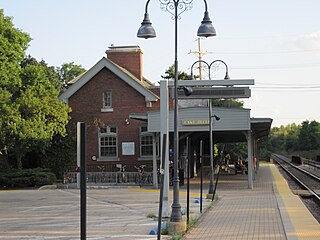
(277, 139)
(8, 113)
(170, 74)
(51, 74)
(231, 103)
(292, 137)
(69, 71)
(60, 154)
(42, 116)
(309, 137)
(31, 113)
(236, 150)
(13, 44)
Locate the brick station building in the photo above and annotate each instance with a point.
(104, 97)
(121, 110)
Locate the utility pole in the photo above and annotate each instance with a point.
(200, 53)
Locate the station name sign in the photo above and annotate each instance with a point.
(195, 122)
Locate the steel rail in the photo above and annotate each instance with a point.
(312, 163)
(296, 167)
(277, 157)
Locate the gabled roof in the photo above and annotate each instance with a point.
(140, 86)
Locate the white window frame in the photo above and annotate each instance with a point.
(106, 134)
(107, 105)
(147, 134)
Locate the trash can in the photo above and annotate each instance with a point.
(181, 176)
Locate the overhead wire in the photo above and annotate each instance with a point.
(285, 66)
(279, 87)
(272, 52)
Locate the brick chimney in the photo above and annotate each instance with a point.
(128, 57)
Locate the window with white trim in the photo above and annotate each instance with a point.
(146, 142)
(107, 100)
(108, 142)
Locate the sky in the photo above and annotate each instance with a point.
(274, 42)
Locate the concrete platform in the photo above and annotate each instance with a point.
(269, 211)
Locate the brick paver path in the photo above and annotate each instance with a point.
(242, 213)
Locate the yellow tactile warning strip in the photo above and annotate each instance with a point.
(297, 220)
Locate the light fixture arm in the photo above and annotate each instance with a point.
(205, 5)
(187, 90)
(216, 117)
(195, 64)
(209, 67)
(147, 4)
(227, 69)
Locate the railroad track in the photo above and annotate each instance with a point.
(306, 180)
(312, 163)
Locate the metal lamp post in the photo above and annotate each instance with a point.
(211, 187)
(146, 30)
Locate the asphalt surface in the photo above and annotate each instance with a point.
(112, 213)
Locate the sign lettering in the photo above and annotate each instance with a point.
(195, 122)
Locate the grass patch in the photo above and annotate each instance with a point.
(177, 236)
(151, 215)
(164, 231)
(192, 221)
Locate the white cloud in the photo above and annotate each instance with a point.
(309, 42)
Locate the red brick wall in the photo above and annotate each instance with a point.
(86, 106)
(131, 61)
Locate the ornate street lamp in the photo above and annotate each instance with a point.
(206, 29)
(211, 188)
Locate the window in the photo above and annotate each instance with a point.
(108, 142)
(146, 142)
(107, 102)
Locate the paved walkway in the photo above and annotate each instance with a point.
(269, 211)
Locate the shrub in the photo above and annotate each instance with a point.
(27, 178)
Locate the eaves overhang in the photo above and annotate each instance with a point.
(117, 70)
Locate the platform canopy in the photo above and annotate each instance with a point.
(260, 127)
(232, 126)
